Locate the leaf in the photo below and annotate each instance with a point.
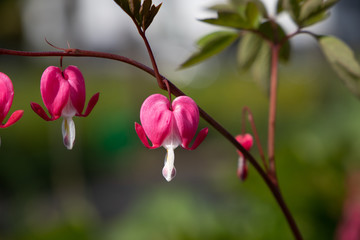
(210, 45)
(343, 61)
(248, 49)
(150, 17)
(135, 7)
(268, 30)
(261, 66)
(293, 8)
(252, 14)
(308, 8)
(229, 19)
(144, 12)
(321, 16)
(124, 4)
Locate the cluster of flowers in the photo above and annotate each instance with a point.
(166, 124)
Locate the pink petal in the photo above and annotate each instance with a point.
(6, 95)
(246, 140)
(77, 87)
(156, 118)
(141, 133)
(199, 139)
(55, 90)
(186, 114)
(40, 111)
(94, 99)
(15, 116)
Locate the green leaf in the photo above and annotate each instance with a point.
(260, 69)
(229, 19)
(343, 61)
(210, 45)
(222, 8)
(124, 4)
(321, 16)
(308, 8)
(252, 14)
(248, 49)
(329, 3)
(293, 8)
(275, 33)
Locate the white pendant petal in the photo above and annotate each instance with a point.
(169, 171)
(68, 132)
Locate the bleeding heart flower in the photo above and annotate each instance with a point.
(6, 99)
(63, 93)
(246, 140)
(169, 126)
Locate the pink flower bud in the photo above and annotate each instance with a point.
(6, 99)
(169, 127)
(63, 93)
(246, 140)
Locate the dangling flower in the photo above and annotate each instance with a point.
(6, 99)
(63, 93)
(246, 140)
(169, 125)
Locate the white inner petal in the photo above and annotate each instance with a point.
(68, 132)
(68, 110)
(171, 142)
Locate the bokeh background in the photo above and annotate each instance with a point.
(110, 186)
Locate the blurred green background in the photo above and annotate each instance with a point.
(110, 186)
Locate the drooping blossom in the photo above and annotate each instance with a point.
(246, 140)
(169, 125)
(6, 99)
(63, 93)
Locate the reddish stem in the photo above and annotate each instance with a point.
(272, 110)
(247, 111)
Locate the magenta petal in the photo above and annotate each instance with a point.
(156, 118)
(199, 139)
(141, 133)
(55, 90)
(246, 140)
(6, 95)
(186, 113)
(94, 99)
(40, 111)
(77, 87)
(15, 116)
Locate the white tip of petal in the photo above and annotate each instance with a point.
(169, 171)
(68, 132)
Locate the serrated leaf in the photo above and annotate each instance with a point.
(211, 45)
(228, 19)
(124, 4)
(135, 7)
(248, 49)
(151, 15)
(343, 61)
(260, 69)
(308, 8)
